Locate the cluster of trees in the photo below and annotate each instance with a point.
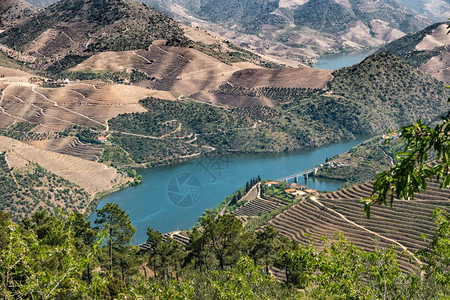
(62, 256)
(23, 190)
(275, 93)
(252, 182)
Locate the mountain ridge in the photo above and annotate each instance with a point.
(301, 30)
(13, 12)
(82, 27)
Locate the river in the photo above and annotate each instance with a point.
(337, 61)
(173, 197)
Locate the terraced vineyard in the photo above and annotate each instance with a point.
(341, 211)
(71, 146)
(256, 207)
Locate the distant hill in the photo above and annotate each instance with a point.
(14, 12)
(299, 29)
(427, 49)
(340, 16)
(80, 28)
(438, 10)
(391, 93)
(41, 3)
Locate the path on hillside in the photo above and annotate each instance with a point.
(65, 108)
(391, 160)
(253, 187)
(11, 172)
(42, 111)
(315, 200)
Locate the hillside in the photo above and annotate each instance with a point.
(390, 92)
(41, 3)
(427, 49)
(437, 10)
(300, 30)
(342, 211)
(14, 12)
(81, 28)
(381, 93)
(363, 162)
(162, 103)
(333, 17)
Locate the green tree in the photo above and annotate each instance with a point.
(224, 237)
(41, 260)
(198, 251)
(266, 246)
(437, 257)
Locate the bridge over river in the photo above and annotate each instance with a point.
(295, 176)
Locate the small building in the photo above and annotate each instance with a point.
(290, 191)
(102, 139)
(270, 183)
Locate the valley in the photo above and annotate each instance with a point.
(141, 132)
(168, 104)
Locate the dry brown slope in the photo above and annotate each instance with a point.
(438, 66)
(284, 78)
(84, 104)
(91, 176)
(188, 72)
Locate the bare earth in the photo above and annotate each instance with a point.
(438, 66)
(91, 176)
(288, 78)
(82, 104)
(437, 38)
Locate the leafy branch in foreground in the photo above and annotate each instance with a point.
(410, 174)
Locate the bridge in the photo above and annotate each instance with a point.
(295, 176)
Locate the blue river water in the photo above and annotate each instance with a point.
(173, 197)
(337, 61)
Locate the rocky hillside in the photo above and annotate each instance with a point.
(41, 3)
(14, 12)
(427, 49)
(336, 16)
(438, 10)
(80, 28)
(299, 29)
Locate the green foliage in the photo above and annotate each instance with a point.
(278, 191)
(277, 94)
(115, 156)
(109, 76)
(369, 87)
(437, 255)
(60, 256)
(117, 223)
(20, 131)
(26, 189)
(410, 174)
(361, 163)
(40, 259)
(69, 61)
(249, 15)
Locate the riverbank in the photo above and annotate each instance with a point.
(173, 197)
